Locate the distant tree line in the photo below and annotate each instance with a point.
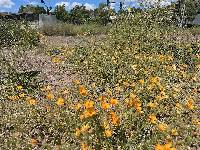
(184, 10)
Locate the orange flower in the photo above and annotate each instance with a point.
(60, 102)
(108, 133)
(50, 96)
(89, 104)
(114, 118)
(162, 126)
(113, 101)
(105, 105)
(84, 146)
(190, 104)
(152, 118)
(89, 113)
(31, 101)
(33, 141)
(158, 147)
(83, 91)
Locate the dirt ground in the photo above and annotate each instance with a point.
(36, 59)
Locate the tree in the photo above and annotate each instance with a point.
(61, 13)
(186, 10)
(31, 8)
(103, 13)
(80, 15)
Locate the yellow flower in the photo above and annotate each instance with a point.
(22, 95)
(174, 132)
(89, 104)
(60, 101)
(102, 98)
(141, 81)
(78, 132)
(33, 141)
(13, 98)
(31, 101)
(162, 96)
(152, 118)
(162, 126)
(178, 105)
(113, 101)
(132, 96)
(106, 125)
(152, 104)
(89, 113)
(83, 91)
(78, 106)
(155, 80)
(50, 96)
(76, 82)
(108, 133)
(105, 105)
(56, 60)
(85, 128)
(190, 104)
(19, 87)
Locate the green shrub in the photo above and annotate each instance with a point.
(65, 29)
(19, 33)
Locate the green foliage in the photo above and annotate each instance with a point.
(79, 15)
(67, 29)
(61, 13)
(148, 32)
(17, 33)
(33, 9)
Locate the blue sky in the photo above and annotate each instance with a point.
(13, 5)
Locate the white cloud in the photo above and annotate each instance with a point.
(75, 4)
(112, 5)
(6, 3)
(72, 5)
(34, 3)
(89, 6)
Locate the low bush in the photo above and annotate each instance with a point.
(13, 32)
(66, 29)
